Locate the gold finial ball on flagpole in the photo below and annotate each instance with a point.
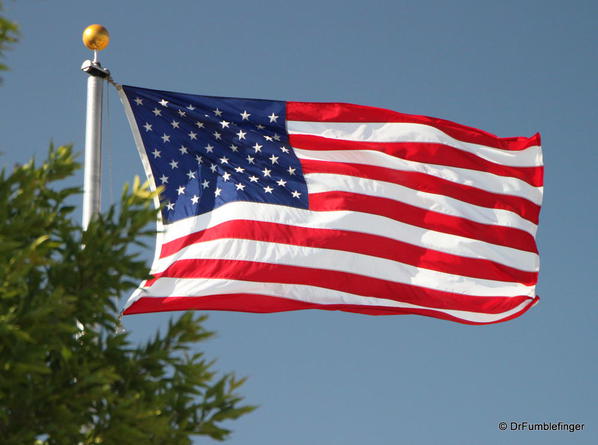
(96, 37)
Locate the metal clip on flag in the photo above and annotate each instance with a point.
(275, 206)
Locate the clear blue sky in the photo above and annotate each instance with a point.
(508, 67)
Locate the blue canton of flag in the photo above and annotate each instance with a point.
(208, 151)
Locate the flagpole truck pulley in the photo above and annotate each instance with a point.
(96, 38)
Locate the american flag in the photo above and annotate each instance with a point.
(274, 206)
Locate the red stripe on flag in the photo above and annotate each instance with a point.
(430, 184)
(347, 282)
(429, 153)
(343, 112)
(416, 216)
(355, 242)
(256, 303)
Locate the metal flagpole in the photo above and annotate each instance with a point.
(96, 38)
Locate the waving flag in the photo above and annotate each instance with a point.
(276, 206)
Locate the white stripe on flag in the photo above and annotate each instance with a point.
(355, 263)
(325, 182)
(481, 180)
(180, 287)
(408, 132)
(355, 222)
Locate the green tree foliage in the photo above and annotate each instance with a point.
(63, 385)
(9, 32)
